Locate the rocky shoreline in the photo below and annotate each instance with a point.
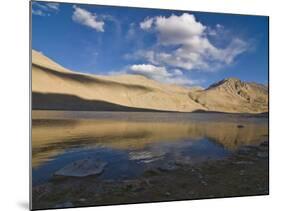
(245, 173)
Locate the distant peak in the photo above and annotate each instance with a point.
(226, 81)
(232, 79)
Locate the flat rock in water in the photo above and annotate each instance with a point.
(145, 156)
(82, 168)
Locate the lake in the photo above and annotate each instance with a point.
(134, 143)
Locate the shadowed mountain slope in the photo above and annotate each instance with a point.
(51, 83)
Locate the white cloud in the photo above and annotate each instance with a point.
(161, 74)
(146, 24)
(219, 26)
(178, 72)
(44, 9)
(236, 47)
(148, 55)
(211, 31)
(38, 12)
(218, 30)
(87, 18)
(54, 6)
(131, 31)
(39, 5)
(192, 48)
(149, 70)
(178, 29)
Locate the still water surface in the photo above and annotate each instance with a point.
(131, 143)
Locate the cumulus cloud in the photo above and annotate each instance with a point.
(192, 49)
(161, 74)
(146, 24)
(149, 70)
(178, 29)
(44, 9)
(217, 31)
(87, 18)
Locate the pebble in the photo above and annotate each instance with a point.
(262, 154)
(64, 205)
(242, 172)
(167, 193)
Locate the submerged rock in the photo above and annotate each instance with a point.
(140, 155)
(82, 168)
(145, 156)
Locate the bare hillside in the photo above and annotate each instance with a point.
(55, 87)
(233, 95)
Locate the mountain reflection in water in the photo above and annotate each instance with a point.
(144, 138)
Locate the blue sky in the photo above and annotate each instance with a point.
(178, 47)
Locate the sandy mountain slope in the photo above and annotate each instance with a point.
(55, 87)
(233, 95)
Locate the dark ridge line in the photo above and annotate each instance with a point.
(87, 79)
(49, 101)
